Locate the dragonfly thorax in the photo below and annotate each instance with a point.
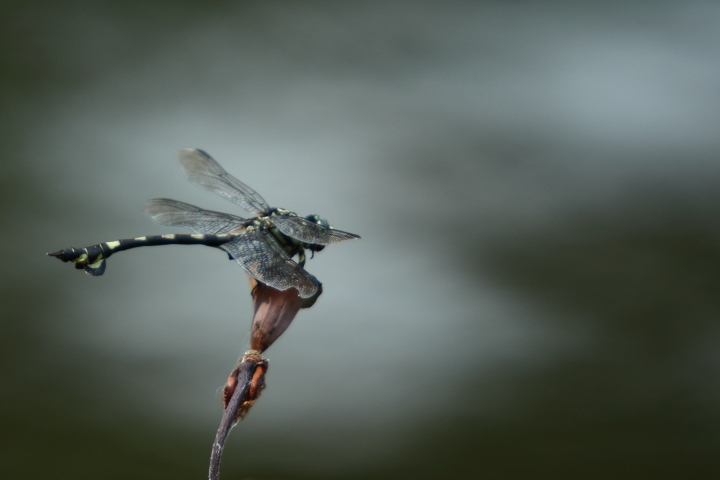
(290, 244)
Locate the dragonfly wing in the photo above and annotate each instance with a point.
(261, 256)
(309, 232)
(174, 213)
(202, 169)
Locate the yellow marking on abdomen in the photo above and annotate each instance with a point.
(114, 245)
(169, 237)
(141, 239)
(82, 259)
(197, 237)
(98, 262)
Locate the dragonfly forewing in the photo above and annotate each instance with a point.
(202, 169)
(309, 232)
(174, 213)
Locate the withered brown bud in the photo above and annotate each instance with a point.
(274, 311)
(255, 386)
(230, 386)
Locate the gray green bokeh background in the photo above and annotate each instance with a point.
(535, 294)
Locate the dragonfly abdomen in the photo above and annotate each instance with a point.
(92, 258)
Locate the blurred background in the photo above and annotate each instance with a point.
(535, 294)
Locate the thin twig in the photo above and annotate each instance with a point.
(245, 375)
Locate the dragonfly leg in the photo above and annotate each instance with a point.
(301, 257)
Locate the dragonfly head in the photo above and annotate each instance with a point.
(323, 223)
(320, 221)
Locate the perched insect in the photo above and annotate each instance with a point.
(263, 245)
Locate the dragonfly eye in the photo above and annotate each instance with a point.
(320, 221)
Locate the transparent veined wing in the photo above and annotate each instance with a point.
(174, 213)
(202, 169)
(309, 232)
(261, 256)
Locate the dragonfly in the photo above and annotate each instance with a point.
(264, 246)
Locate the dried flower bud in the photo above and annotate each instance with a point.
(274, 310)
(255, 387)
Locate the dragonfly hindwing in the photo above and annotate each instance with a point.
(263, 258)
(174, 213)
